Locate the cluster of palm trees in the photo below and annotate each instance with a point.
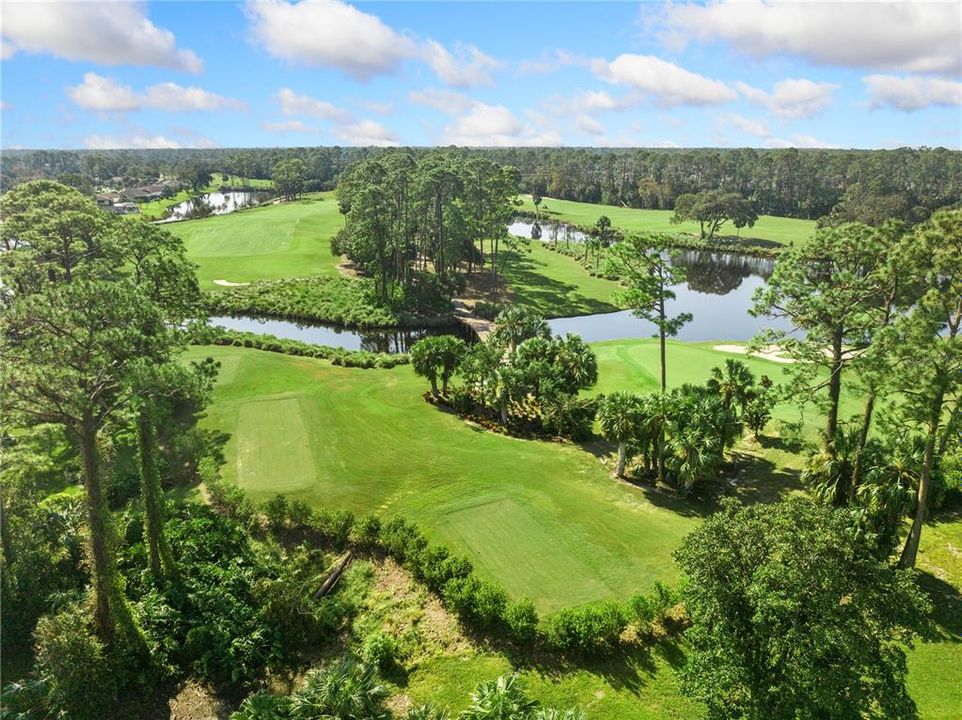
(681, 435)
(521, 373)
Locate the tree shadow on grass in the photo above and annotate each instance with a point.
(551, 297)
(946, 608)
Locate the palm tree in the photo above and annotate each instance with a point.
(620, 416)
(435, 356)
(732, 383)
(516, 324)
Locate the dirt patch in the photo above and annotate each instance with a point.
(196, 702)
(349, 269)
(415, 614)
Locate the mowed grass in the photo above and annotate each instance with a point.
(768, 227)
(555, 285)
(264, 243)
(544, 519)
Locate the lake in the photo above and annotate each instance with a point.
(220, 203)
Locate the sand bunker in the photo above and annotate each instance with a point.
(228, 283)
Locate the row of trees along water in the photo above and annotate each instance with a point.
(868, 185)
(410, 219)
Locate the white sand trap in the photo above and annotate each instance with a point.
(228, 283)
(769, 352)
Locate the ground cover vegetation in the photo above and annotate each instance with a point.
(116, 586)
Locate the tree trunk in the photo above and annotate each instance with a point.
(504, 412)
(911, 549)
(860, 450)
(434, 386)
(622, 458)
(661, 337)
(161, 558)
(101, 566)
(834, 392)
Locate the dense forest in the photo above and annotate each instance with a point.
(907, 183)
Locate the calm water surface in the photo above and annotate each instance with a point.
(385, 340)
(220, 203)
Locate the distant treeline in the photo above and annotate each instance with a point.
(858, 184)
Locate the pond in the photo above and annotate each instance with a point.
(385, 340)
(718, 293)
(215, 203)
(546, 231)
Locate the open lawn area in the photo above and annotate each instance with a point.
(544, 519)
(264, 243)
(773, 229)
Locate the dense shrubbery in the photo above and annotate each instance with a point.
(481, 604)
(269, 343)
(341, 301)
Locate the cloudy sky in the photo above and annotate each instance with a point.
(324, 72)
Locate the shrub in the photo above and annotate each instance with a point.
(487, 310)
(378, 650)
(367, 530)
(299, 513)
(477, 601)
(346, 689)
(585, 629)
(521, 620)
(74, 665)
(333, 525)
(275, 510)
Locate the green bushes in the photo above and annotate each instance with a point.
(74, 665)
(585, 629)
(270, 343)
(480, 603)
(487, 310)
(319, 299)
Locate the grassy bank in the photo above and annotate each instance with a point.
(768, 228)
(264, 243)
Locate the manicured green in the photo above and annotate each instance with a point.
(555, 285)
(264, 243)
(774, 229)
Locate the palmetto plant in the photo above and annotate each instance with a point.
(346, 690)
(501, 699)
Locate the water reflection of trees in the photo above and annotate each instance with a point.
(720, 273)
(394, 340)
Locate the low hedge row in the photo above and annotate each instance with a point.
(270, 343)
(481, 604)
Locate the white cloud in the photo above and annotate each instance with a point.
(906, 36)
(792, 98)
(468, 68)
(137, 140)
(294, 104)
(799, 141)
(549, 62)
(495, 125)
(381, 108)
(599, 100)
(589, 125)
(666, 83)
(445, 101)
(285, 126)
(331, 33)
(108, 33)
(365, 133)
(328, 33)
(911, 93)
(758, 128)
(104, 94)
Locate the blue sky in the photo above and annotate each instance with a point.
(745, 73)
